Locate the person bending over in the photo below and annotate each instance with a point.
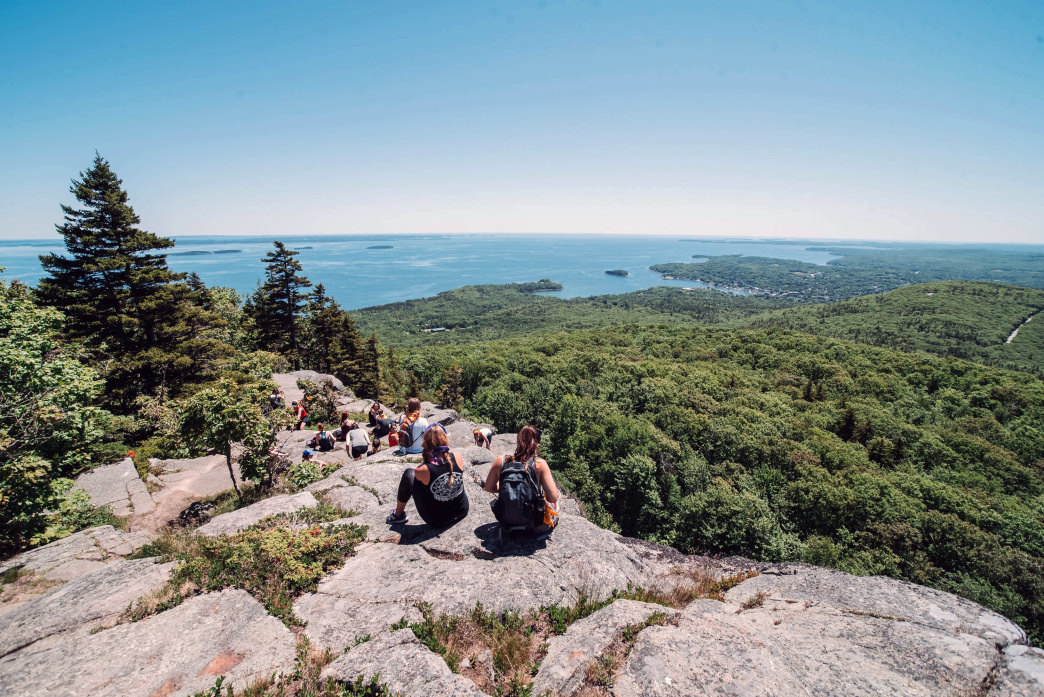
(357, 443)
(528, 497)
(483, 436)
(436, 486)
(411, 427)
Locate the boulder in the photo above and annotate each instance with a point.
(117, 486)
(439, 415)
(791, 649)
(92, 600)
(1021, 673)
(404, 665)
(178, 652)
(563, 669)
(230, 523)
(78, 554)
(880, 596)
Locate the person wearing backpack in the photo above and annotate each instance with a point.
(411, 429)
(436, 486)
(527, 500)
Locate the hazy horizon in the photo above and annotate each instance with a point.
(752, 120)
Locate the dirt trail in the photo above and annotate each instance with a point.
(1015, 333)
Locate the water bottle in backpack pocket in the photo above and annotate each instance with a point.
(519, 506)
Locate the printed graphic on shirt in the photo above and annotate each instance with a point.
(441, 490)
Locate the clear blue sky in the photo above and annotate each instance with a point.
(917, 120)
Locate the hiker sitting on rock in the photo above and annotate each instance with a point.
(411, 428)
(528, 497)
(323, 439)
(483, 436)
(381, 426)
(357, 443)
(347, 424)
(436, 486)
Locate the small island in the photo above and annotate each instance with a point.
(617, 272)
(381, 246)
(544, 285)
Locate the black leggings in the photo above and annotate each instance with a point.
(383, 427)
(406, 486)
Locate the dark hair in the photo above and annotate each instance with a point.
(413, 406)
(527, 444)
(435, 438)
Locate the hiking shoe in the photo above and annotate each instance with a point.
(396, 518)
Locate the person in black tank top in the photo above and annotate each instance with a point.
(437, 486)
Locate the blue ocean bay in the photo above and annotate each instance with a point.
(358, 275)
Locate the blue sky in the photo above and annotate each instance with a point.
(892, 120)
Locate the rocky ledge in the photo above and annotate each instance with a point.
(789, 629)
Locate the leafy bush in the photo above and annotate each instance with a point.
(306, 472)
(273, 563)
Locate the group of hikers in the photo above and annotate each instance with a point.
(527, 500)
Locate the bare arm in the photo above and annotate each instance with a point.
(493, 478)
(547, 482)
(421, 474)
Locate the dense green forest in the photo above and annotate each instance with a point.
(860, 271)
(476, 313)
(785, 446)
(954, 318)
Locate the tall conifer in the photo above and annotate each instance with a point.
(275, 308)
(135, 316)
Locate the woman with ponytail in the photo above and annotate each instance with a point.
(436, 486)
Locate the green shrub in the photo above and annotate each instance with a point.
(307, 472)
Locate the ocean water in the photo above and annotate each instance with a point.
(356, 275)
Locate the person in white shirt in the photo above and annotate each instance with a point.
(411, 429)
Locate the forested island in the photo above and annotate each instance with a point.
(893, 433)
(858, 271)
(617, 272)
(381, 246)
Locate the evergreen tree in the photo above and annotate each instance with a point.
(331, 341)
(275, 308)
(135, 316)
(370, 373)
(451, 394)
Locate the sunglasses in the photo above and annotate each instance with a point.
(539, 432)
(440, 426)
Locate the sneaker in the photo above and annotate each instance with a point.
(396, 518)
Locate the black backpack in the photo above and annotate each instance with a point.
(520, 504)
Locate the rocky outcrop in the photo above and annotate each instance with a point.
(78, 554)
(90, 601)
(792, 630)
(404, 665)
(178, 652)
(118, 486)
(230, 523)
(564, 668)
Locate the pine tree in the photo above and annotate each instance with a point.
(370, 373)
(275, 308)
(331, 341)
(451, 394)
(137, 319)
